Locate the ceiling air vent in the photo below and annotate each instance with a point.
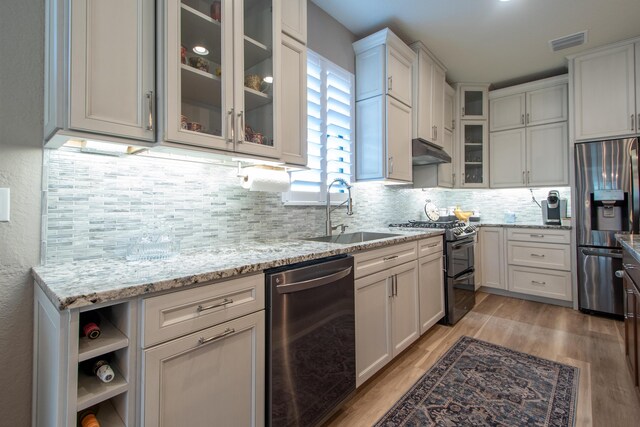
(566, 42)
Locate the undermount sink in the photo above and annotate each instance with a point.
(348, 238)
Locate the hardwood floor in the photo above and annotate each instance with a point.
(595, 345)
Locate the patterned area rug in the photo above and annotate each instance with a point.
(477, 383)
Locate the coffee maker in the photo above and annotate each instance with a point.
(554, 209)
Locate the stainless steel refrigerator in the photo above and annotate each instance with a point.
(606, 203)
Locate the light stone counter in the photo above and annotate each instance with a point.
(630, 242)
(79, 284)
(522, 225)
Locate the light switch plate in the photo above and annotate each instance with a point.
(4, 204)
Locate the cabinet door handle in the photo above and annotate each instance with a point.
(633, 125)
(453, 178)
(453, 123)
(240, 139)
(230, 132)
(395, 285)
(538, 255)
(463, 111)
(390, 83)
(210, 307)
(522, 119)
(528, 177)
(433, 132)
(523, 178)
(436, 133)
(150, 108)
(390, 165)
(214, 338)
(527, 118)
(389, 258)
(391, 287)
(535, 282)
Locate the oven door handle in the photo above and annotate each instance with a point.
(465, 276)
(463, 245)
(313, 283)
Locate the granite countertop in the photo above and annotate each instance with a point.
(83, 283)
(630, 242)
(522, 225)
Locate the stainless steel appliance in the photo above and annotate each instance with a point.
(607, 203)
(459, 270)
(311, 349)
(554, 209)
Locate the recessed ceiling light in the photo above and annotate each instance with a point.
(200, 50)
(268, 79)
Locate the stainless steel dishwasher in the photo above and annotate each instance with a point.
(311, 348)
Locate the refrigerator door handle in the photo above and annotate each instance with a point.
(635, 188)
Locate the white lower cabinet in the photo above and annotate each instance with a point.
(211, 377)
(399, 295)
(203, 358)
(430, 282)
(515, 260)
(492, 260)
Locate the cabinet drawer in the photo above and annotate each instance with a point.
(544, 283)
(381, 259)
(557, 257)
(430, 246)
(539, 235)
(179, 313)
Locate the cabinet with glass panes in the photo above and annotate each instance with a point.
(219, 74)
(474, 159)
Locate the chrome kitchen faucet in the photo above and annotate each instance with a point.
(349, 203)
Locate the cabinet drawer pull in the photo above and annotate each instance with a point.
(433, 245)
(536, 235)
(389, 258)
(214, 338)
(221, 304)
(535, 282)
(538, 255)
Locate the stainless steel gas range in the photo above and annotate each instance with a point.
(459, 268)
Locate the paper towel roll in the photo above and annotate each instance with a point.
(259, 179)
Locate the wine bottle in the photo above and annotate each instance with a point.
(87, 418)
(90, 325)
(99, 367)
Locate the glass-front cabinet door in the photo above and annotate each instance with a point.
(474, 152)
(258, 42)
(219, 74)
(474, 102)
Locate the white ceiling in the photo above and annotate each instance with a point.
(490, 41)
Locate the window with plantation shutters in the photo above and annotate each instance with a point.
(329, 134)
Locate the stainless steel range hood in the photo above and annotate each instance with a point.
(426, 153)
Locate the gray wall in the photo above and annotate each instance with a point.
(330, 38)
(21, 111)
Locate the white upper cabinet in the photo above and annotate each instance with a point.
(449, 107)
(89, 99)
(605, 93)
(383, 108)
(474, 104)
(222, 98)
(293, 116)
(428, 96)
(294, 19)
(507, 112)
(529, 142)
(383, 66)
(531, 104)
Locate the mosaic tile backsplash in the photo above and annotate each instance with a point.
(97, 206)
